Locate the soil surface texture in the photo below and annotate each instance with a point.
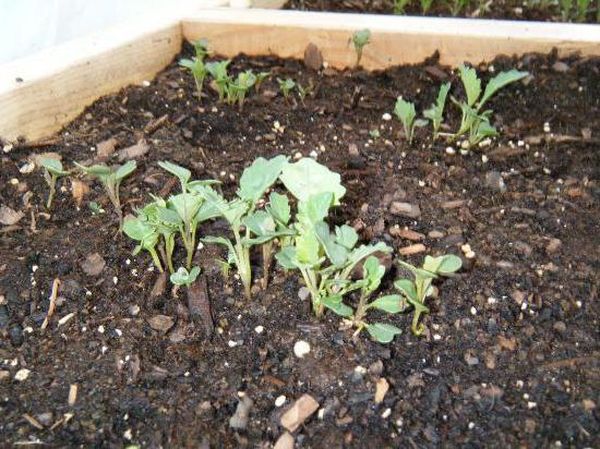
(510, 355)
(497, 9)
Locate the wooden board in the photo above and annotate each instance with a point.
(42, 93)
(395, 39)
(57, 84)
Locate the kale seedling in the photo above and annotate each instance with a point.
(405, 111)
(416, 292)
(303, 92)
(286, 86)
(53, 169)
(239, 88)
(201, 48)
(249, 226)
(425, 6)
(475, 121)
(436, 112)
(260, 78)
(145, 233)
(111, 180)
(400, 5)
(218, 70)
(184, 277)
(199, 71)
(359, 40)
(373, 272)
(325, 260)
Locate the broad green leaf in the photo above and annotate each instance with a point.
(442, 264)
(346, 236)
(307, 248)
(169, 216)
(315, 209)
(286, 257)
(407, 288)
(498, 82)
(137, 229)
(361, 38)
(261, 175)
(181, 173)
(183, 277)
(186, 205)
(389, 304)
(336, 253)
(425, 274)
(260, 223)
(471, 82)
(307, 177)
(187, 63)
(96, 170)
(383, 333)
(373, 271)
(218, 70)
(406, 113)
(335, 304)
(53, 166)
(363, 251)
(279, 208)
(235, 211)
(125, 170)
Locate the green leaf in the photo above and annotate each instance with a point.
(406, 113)
(436, 112)
(363, 251)
(286, 257)
(335, 304)
(183, 174)
(337, 254)
(186, 205)
(101, 171)
(315, 209)
(261, 175)
(346, 236)
(307, 248)
(389, 304)
(183, 277)
(137, 229)
(498, 82)
(373, 272)
(407, 288)
(425, 274)
(53, 166)
(443, 265)
(260, 223)
(361, 38)
(279, 208)
(307, 177)
(471, 82)
(383, 333)
(125, 170)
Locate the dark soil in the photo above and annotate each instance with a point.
(510, 358)
(497, 9)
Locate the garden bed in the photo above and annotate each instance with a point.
(509, 357)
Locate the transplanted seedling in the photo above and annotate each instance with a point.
(436, 112)
(239, 88)
(286, 86)
(406, 113)
(325, 260)
(249, 226)
(360, 39)
(218, 70)
(53, 169)
(260, 78)
(111, 179)
(303, 92)
(146, 234)
(416, 291)
(400, 5)
(184, 277)
(201, 48)
(475, 121)
(199, 71)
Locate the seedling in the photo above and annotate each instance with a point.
(111, 179)
(260, 78)
(416, 291)
(436, 112)
(199, 71)
(373, 272)
(249, 226)
(286, 86)
(359, 40)
(303, 92)
(218, 70)
(201, 48)
(456, 6)
(426, 5)
(475, 121)
(325, 260)
(145, 233)
(405, 111)
(400, 6)
(53, 169)
(184, 277)
(239, 88)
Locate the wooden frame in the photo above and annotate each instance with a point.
(42, 93)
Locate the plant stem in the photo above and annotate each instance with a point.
(156, 259)
(169, 248)
(361, 309)
(267, 257)
(52, 185)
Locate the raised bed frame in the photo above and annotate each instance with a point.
(42, 93)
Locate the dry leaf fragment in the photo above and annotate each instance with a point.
(9, 216)
(105, 149)
(381, 388)
(134, 151)
(79, 189)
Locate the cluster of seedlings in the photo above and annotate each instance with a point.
(339, 274)
(569, 10)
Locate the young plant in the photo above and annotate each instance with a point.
(475, 121)
(145, 233)
(400, 5)
(373, 272)
(359, 40)
(426, 6)
(436, 112)
(201, 48)
(416, 291)
(260, 78)
(286, 86)
(303, 92)
(239, 88)
(111, 179)
(249, 226)
(218, 70)
(184, 277)
(406, 113)
(199, 72)
(53, 169)
(456, 6)
(325, 260)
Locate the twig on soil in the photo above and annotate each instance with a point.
(557, 138)
(34, 422)
(569, 362)
(33, 226)
(52, 305)
(155, 125)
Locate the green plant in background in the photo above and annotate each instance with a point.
(260, 79)
(373, 272)
(325, 260)
(416, 291)
(475, 121)
(303, 92)
(426, 6)
(184, 277)
(360, 39)
(400, 6)
(406, 113)
(218, 70)
(286, 86)
(111, 179)
(249, 226)
(53, 169)
(436, 111)
(239, 88)
(457, 6)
